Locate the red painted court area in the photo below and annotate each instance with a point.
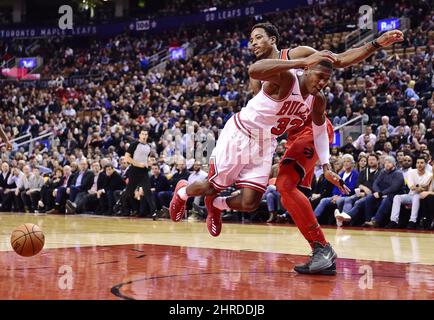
(171, 272)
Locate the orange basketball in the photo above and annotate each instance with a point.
(27, 240)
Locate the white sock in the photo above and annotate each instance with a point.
(182, 193)
(220, 203)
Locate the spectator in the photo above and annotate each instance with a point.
(114, 184)
(197, 175)
(367, 137)
(90, 201)
(427, 207)
(4, 177)
(350, 176)
(418, 181)
(81, 184)
(361, 163)
(406, 166)
(46, 201)
(159, 183)
(385, 124)
(353, 204)
(32, 190)
(388, 184)
(180, 173)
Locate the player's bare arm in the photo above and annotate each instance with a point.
(322, 142)
(254, 86)
(270, 69)
(355, 55)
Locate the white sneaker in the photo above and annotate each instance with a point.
(339, 218)
(345, 216)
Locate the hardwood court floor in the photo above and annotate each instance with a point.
(122, 258)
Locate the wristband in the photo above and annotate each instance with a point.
(376, 44)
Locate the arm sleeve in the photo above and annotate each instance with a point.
(321, 141)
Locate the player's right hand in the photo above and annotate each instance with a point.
(336, 180)
(319, 56)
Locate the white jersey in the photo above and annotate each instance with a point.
(271, 117)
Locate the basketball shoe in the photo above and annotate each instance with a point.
(322, 261)
(214, 216)
(177, 205)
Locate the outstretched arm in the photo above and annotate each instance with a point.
(270, 69)
(322, 143)
(355, 55)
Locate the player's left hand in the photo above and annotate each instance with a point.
(8, 146)
(390, 37)
(337, 181)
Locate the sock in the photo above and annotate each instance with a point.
(182, 193)
(301, 211)
(220, 203)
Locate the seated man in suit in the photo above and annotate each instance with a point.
(81, 183)
(114, 185)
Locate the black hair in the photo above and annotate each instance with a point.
(270, 30)
(421, 157)
(373, 155)
(326, 64)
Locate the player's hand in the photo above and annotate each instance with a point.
(336, 180)
(319, 56)
(377, 195)
(390, 37)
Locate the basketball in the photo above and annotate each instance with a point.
(27, 240)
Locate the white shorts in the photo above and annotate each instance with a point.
(240, 159)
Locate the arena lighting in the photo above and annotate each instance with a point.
(210, 9)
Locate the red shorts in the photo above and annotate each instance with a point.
(301, 150)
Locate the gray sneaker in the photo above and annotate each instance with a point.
(322, 261)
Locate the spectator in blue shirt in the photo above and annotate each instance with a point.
(350, 176)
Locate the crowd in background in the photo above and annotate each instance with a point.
(95, 120)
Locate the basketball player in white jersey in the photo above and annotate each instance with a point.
(244, 150)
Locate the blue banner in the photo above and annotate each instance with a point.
(153, 24)
(217, 15)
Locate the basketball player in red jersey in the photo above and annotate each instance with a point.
(302, 153)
